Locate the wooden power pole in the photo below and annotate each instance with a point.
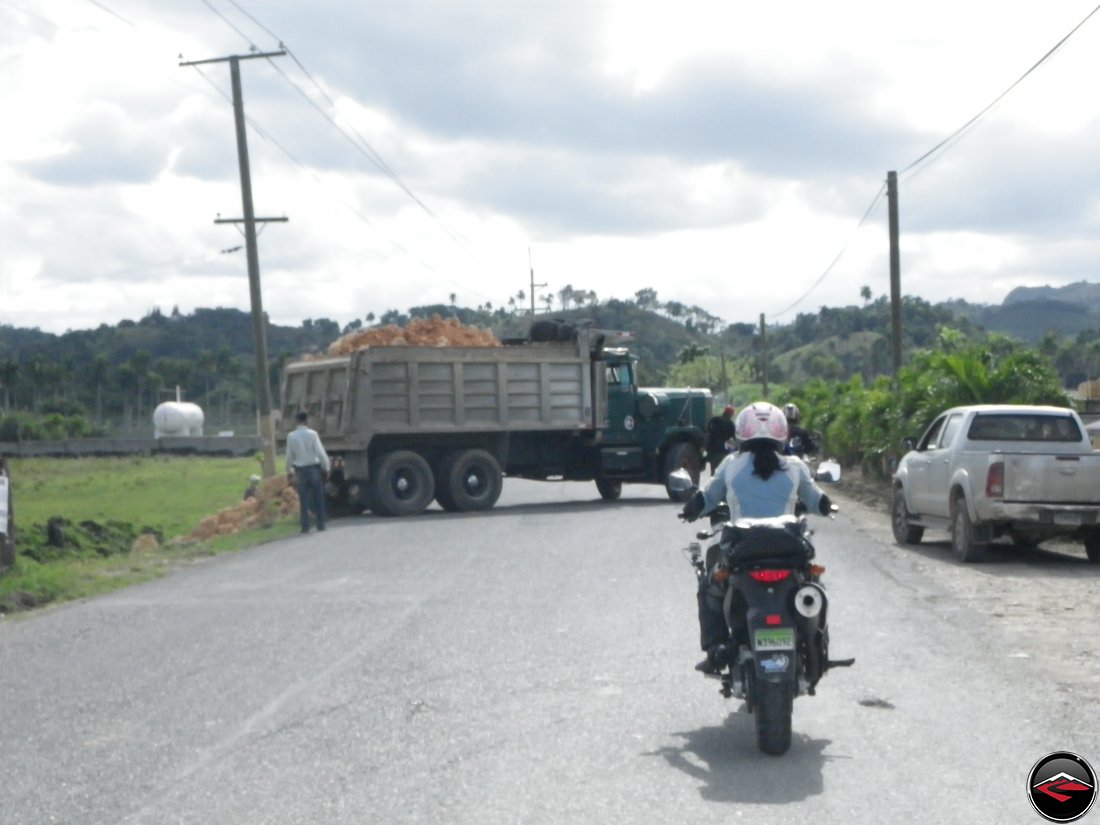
(764, 355)
(895, 271)
(259, 321)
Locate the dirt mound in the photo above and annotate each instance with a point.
(420, 332)
(274, 499)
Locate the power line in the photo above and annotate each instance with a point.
(839, 255)
(958, 133)
(357, 140)
(941, 147)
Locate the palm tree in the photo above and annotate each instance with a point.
(9, 374)
(140, 361)
(101, 368)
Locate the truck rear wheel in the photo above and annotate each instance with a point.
(401, 484)
(469, 480)
(682, 456)
(963, 545)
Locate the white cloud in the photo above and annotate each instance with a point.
(720, 153)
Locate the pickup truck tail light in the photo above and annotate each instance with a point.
(995, 480)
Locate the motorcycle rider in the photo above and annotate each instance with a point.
(799, 442)
(758, 481)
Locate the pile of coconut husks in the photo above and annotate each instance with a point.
(420, 332)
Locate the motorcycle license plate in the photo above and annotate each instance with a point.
(775, 638)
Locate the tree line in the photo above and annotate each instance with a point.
(109, 380)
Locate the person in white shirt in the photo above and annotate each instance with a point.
(307, 467)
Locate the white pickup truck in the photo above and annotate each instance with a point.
(982, 472)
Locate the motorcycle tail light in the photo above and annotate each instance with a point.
(995, 480)
(770, 576)
(773, 619)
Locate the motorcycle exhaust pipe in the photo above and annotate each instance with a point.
(810, 602)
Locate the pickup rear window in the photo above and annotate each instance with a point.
(1023, 427)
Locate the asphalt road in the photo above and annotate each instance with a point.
(528, 665)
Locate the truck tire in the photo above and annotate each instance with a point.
(904, 532)
(684, 455)
(609, 490)
(1092, 547)
(963, 545)
(401, 484)
(469, 480)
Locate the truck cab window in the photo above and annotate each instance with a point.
(618, 375)
(949, 430)
(931, 438)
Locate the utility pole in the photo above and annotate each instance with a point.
(259, 321)
(533, 284)
(764, 354)
(895, 271)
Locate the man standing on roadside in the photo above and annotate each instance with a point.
(720, 432)
(307, 467)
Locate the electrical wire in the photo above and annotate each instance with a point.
(937, 151)
(957, 135)
(357, 140)
(839, 255)
(111, 12)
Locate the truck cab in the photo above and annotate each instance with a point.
(646, 433)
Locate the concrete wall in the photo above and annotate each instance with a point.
(174, 445)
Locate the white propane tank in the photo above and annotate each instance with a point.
(174, 418)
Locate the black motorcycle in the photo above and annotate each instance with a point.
(764, 574)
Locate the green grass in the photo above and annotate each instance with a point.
(164, 495)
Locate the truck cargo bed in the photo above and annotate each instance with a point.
(399, 389)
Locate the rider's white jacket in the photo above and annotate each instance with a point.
(750, 496)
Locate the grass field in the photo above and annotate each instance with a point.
(119, 497)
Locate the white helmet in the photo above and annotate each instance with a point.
(761, 420)
(792, 413)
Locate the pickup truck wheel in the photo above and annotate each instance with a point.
(904, 532)
(962, 535)
(1092, 547)
(469, 480)
(401, 484)
(683, 456)
(609, 490)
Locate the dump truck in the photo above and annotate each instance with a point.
(406, 425)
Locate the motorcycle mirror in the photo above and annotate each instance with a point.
(679, 481)
(828, 470)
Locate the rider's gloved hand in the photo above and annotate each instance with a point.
(825, 506)
(693, 508)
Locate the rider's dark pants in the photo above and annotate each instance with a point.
(712, 622)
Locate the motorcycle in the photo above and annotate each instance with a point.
(775, 607)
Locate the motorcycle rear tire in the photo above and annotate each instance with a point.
(773, 708)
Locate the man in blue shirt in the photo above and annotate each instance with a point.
(307, 467)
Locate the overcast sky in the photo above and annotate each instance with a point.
(722, 153)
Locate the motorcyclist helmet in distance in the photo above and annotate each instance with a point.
(793, 414)
(761, 420)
